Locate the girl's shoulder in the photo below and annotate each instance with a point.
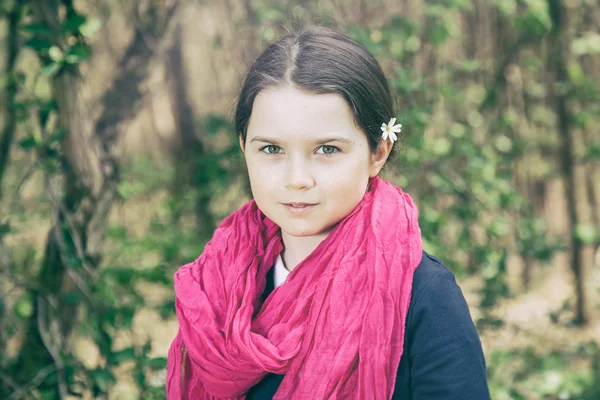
(436, 295)
(442, 346)
(437, 299)
(430, 271)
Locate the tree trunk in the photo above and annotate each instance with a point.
(80, 213)
(82, 208)
(567, 161)
(191, 167)
(12, 50)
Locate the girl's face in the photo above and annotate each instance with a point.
(305, 149)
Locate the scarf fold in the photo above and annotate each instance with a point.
(335, 328)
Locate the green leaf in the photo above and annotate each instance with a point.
(402, 26)
(125, 317)
(48, 394)
(506, 7)
(103, 379)
(539, 10)
(575, 73)
(19, 78)
(73, 297)
(78, 53)
(45, 109)
(123, 276)
(412, 44)
(117, 232)
(593, 152)
(586, 233)
(121, 356)
(441, 146)
(49, 166)
(37, 29)
(55, 53)
(90, 26)
(156, 274)
(588, 44)
(503, 143)
(23, 307)
(4, 227)
(213, 123)
(489, 322)
(469, 66)
(58, 135)
(438, 34)
(73, 22)
(28, 143)
(499, 227)
(457, 130)
(397, 48)
(39, 45)
(51, 69)
(166, 309)
(157, 363)
(535, 19)
(140, 377)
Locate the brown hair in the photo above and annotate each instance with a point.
(321, 60)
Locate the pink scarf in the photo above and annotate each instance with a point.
(335, 328)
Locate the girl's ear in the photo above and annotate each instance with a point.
(379, 158)
(242, 143)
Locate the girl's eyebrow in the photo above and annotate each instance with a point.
(319, 141)
(264, 139)
(334, 139)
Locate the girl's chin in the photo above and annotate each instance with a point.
(301, 232)
(305, 231)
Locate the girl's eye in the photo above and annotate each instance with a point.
(328, 150)
(271, 149)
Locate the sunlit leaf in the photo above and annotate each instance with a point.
(90, 26)
(23, 307)
(51, 69)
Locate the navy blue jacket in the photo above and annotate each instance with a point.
(442, 357)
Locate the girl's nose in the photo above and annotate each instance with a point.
(298, 174)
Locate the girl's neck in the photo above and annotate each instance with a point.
(297, 248)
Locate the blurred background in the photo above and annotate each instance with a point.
(118, 160)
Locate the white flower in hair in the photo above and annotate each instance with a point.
(390, 130)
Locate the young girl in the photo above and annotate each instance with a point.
(319, 287)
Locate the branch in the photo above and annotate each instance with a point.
(121, 99)
(45, 336)
(35, 382)
(76, 238)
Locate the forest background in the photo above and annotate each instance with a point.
(118, 159)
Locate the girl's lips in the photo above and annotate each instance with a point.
(299, 208)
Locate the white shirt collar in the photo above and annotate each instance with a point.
(281, 273)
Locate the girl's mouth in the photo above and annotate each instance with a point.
(299, 207)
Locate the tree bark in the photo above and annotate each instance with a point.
(83, 206)
(12, 50)
(80, 213)
(567, 161)
(191, 168)
(122, 99)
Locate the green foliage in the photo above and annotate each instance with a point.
(116, 294)
(461, 175)
(587, 234)
(530, 373)
(65, 48)
(461, 145)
